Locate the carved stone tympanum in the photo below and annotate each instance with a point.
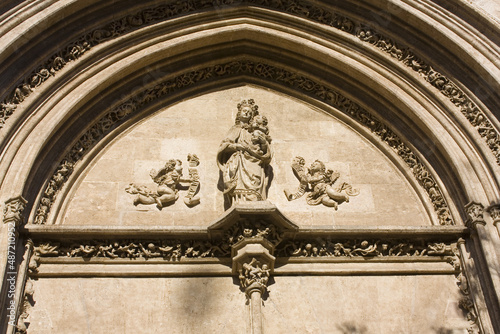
(167, 180)
(244, 156)
(320, 183)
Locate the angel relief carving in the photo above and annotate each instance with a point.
(320, 183)
(168, 180)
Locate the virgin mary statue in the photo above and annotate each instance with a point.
(244, 156)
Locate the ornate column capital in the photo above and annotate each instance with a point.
(494, 211)
(13, 210)
(475, 211)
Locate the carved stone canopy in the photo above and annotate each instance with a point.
(253, 230)
(261, 215)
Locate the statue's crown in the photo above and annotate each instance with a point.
(250, 104)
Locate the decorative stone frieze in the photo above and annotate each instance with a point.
(321, 184)
(328, 247)
(167, 180)
(174, 250)
(268, 72)
(169, 250)
(13, 211)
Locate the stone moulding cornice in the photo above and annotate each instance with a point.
(412, 253)
(253, 223)
(87, 232)
(304, 9)
(249, 223)
(124, 250)
(259, 70)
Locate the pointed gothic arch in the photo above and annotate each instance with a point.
(415, 79)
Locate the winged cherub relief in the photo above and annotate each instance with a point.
(168, 181)
(320, 183)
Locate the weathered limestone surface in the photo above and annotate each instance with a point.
(367, 304)
(199, 124)
(133, 305)
(364, 304)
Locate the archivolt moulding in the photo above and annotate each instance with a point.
(323, 15)
(259, 70)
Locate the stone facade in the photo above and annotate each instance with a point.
(249, 166)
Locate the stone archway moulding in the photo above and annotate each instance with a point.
(408, 100)
(363, 31)
(218, 72)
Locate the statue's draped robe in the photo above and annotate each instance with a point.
(242, 171)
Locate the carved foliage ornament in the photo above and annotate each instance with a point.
(253, 229)
(364, 248)
(170, 250)
(167, 180)
(269, 72)
(300, 8)
(466, 302)
(475, 211)
(320, 183)
(174, 250)
(494, 212)
(13, 210)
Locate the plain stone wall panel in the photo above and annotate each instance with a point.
(366, 304)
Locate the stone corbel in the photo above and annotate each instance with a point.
(253, 262)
